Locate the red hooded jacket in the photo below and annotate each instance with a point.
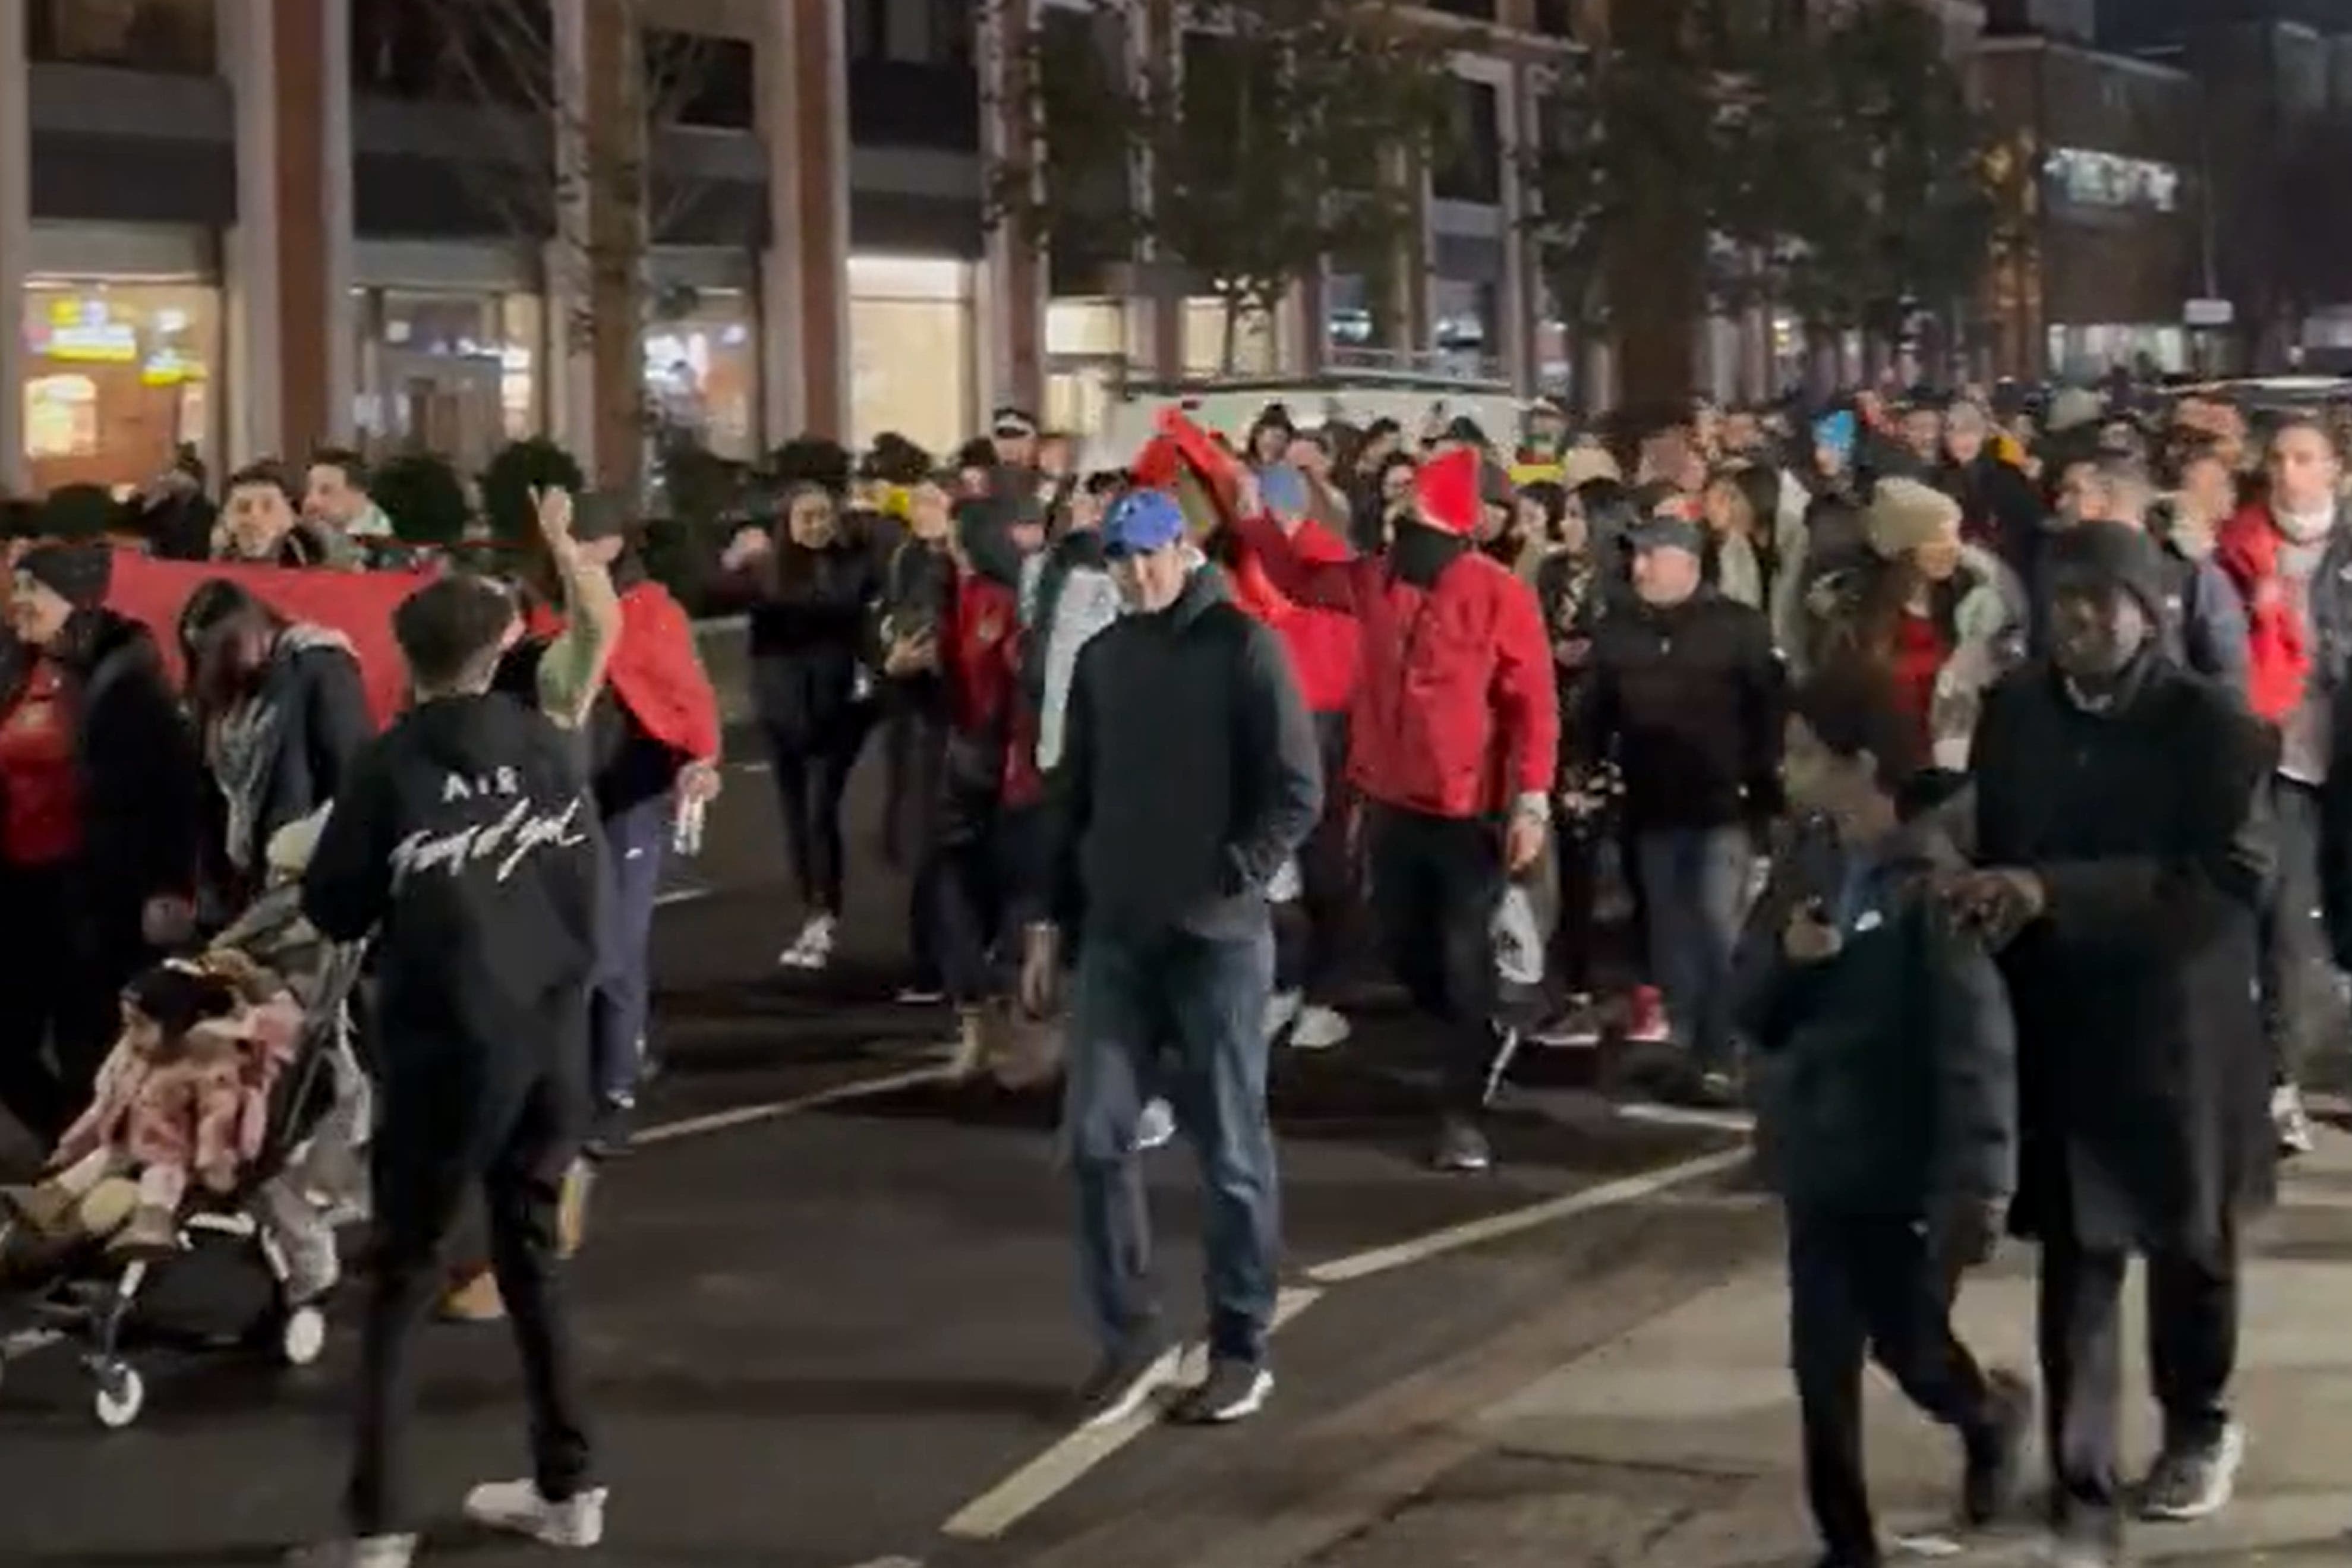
(980, 654)
(1455, 712)
(2278, 645)
(1323, 644)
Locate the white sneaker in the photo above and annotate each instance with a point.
(812, 948)
(356, 1552)
(1282, 1010)
(1156, 1127)
(517, 1509)
(1320, 1029)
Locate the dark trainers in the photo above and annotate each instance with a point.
(1121, 1382)
(1234, 1391)
(1989, 1484)
(1461, 1146)
(2192, 1481)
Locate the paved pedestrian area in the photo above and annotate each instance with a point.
(1673, 1446)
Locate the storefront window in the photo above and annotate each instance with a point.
(702, 372)
(1256, 341)
(453, 373)
(173, 36)
(118, 378)
(911, 350)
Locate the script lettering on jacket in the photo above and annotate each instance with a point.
(525, 828)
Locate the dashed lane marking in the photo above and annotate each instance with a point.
(1495, 1227)
(681, 895)
(1059, 1468)
(776, 1110)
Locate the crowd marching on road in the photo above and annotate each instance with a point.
(1973, 766)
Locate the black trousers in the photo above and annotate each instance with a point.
(1870, 1284)
(2193, 1331)
(2293, 946)
(1436, 884)
(812, 777)
(1576, 862)
(513, 1143)
(60, 985)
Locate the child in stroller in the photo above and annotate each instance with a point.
(243, 1056)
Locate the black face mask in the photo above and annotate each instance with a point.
(1421, 553)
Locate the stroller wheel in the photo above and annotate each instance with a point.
(303, 1337)
(122, 1395)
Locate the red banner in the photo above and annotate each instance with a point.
(359, 604)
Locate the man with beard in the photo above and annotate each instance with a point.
(2119, 816)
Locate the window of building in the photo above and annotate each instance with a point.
(702, 370)
(2093, 178)
(693, 79)
(1470, 166)
(174, 37)
(1556, 18)
(446, 51)
(118, 377)
(447, 370)
(912, 347)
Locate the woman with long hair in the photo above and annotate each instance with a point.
(281, 709)
(812, 589)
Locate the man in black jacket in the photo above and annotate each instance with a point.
(465, 839)
(1686, 694)
(1187, 777)
(2119, 816)
(1889, 1069)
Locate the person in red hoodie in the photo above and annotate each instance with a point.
(1322, 646)
(2291, 558)
(1453, 741)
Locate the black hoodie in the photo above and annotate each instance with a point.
(464, 836)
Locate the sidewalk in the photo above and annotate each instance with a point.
(1674, 1445)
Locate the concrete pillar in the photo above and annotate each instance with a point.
(803, 79)
(1014, 271)
(16, 243)
(1155, 42)
(1515, 112)
(290, 255)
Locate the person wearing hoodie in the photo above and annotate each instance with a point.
(1453, 742)
(2204, 622)
(2289, 556)
(280, 709)
(465, 843)
(1189, 778)
(811, 588)
(100, 793)
(918, 576)
(1322, 646)
(1998, 507)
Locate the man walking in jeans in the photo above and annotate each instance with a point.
(1187, 777)
(1685, 694)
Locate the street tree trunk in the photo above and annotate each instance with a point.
(1653, 266)
(616, 133)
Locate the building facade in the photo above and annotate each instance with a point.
(252, 226)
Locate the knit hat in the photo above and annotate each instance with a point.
(1906, 514)
(1445, 491)
(78, 574)
(2111, 555)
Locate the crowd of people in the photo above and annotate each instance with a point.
(1971, 764)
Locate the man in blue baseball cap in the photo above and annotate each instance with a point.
(1188, 778)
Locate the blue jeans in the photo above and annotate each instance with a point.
(1694, 888)
(635, 840)
(1186, 1018)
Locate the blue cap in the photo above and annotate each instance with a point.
(1283, 489)
(1142, 522)
(1837, 432)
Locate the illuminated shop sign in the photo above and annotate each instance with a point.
(2111, 180)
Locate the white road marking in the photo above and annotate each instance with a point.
(681, 895)
(1686, 1117)
(1059, 1468)
(1494, 1227)
(775, 1110)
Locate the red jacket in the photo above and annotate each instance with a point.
(979, 656)
(2278, 645)
(656, 670)
(1455, 714)
(1323, 643)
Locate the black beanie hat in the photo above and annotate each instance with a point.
(2112, 555)
(78, 574)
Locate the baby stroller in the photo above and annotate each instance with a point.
(228, 1282)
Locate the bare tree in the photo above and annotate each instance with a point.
(572, 170)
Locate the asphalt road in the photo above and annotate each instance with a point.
(822, 1336)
